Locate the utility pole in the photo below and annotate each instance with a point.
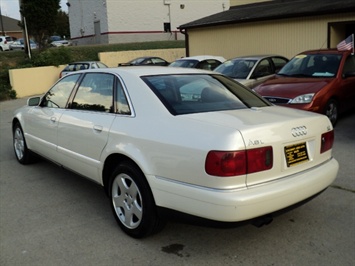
(2, 24)
(24, 32)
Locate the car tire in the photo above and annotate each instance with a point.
(132, 202)
(23, 154)
(331, 111)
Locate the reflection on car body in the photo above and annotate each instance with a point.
(184, 140)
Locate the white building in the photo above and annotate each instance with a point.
(122, 21)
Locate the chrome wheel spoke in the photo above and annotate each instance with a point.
(127, 201)
(19, 143)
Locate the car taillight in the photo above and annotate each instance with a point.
(232, 163)
(327, 141)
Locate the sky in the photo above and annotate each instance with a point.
(10, 8)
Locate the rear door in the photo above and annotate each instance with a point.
(84, 127)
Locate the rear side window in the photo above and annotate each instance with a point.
(186, 94)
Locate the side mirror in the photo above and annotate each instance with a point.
(34, 101)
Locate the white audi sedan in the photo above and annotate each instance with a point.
(175, 139)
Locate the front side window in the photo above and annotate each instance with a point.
(58, 95)
(349, 66)
(236, 68)
(278, 63)
(95, 93)
(262, 69)
(186, 94)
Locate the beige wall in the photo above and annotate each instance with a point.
(285, 37)
(112, 59)
(37, 80)
(33, 81)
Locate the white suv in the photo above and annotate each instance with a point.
(4, 43)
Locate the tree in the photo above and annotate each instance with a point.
(62, 28)
(41, 16)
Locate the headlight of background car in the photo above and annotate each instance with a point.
(305, 98)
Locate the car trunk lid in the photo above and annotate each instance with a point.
(295, 137)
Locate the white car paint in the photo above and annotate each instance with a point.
(171, 150)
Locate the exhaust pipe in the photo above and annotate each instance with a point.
(264, 220)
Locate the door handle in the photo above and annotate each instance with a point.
(98, 128)
(53, 119)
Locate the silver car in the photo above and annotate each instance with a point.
(252, 70)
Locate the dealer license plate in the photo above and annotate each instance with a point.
(296, 154)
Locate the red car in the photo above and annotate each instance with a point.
(321, 81)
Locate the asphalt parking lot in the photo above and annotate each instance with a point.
(49, 216)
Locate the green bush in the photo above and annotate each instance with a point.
(6, 92)
(52, 57)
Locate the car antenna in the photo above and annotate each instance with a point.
(322, 45)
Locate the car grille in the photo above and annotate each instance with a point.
(277, 100)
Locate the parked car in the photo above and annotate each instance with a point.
(252, 70)
(81, 65)
(57, 41)
(146, 61)
(208, 62)
(177, 139)
(20, 45)
(4, 43)
(321, 81)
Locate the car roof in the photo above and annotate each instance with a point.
(150, 70)
(325, 51)
(82, 62)
(257, 57)
(202, 57)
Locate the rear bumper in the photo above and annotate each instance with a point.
(244, 204)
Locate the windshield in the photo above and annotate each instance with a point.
(236, 68)
(312, 65)
(186, 94)
(184, 63)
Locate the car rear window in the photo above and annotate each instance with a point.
(75, 67)
(186, 94)
(191, 63)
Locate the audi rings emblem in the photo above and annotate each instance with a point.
(299, 131)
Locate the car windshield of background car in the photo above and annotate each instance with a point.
(237, 68)
(312, 65)
(187, 94)
(184, 63)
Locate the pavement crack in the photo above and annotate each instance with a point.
(343, 188)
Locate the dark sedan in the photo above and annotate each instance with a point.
(146, 61)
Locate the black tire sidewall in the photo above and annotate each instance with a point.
(26, 156)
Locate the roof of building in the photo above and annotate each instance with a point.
(9, 24)
(272, 10)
